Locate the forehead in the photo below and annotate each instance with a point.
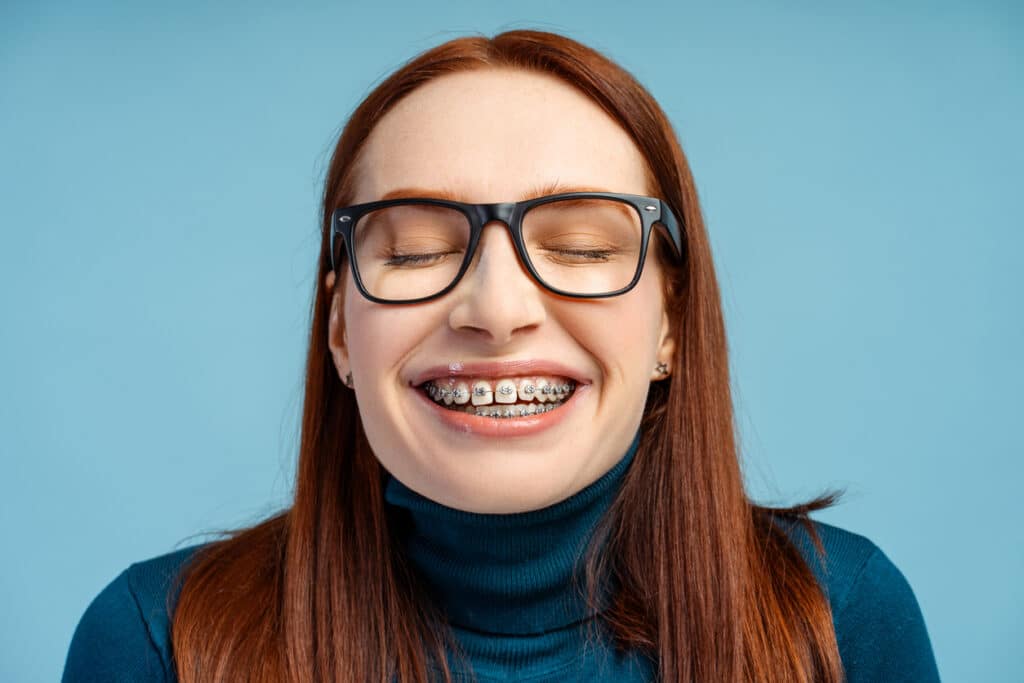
(497, 135)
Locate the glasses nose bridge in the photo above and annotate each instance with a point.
(502, 211)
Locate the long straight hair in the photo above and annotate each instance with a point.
(706, 584)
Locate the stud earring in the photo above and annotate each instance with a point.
(661, 368)
(348, 380)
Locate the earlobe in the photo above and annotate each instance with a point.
(666, 349)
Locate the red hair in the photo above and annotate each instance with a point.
(708, 585)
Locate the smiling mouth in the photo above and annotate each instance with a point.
(505, 398)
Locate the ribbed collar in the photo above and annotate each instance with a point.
(506, 574)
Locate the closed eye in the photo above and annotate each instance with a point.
(588, 254)
(416, 259)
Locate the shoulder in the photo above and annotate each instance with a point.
(124, 633)
(879, 626)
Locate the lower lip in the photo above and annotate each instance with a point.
(466, 423)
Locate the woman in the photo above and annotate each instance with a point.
(517, 457)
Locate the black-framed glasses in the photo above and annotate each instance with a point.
(587, 245)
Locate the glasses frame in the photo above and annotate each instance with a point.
(651, 210)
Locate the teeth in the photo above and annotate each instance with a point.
(527, 389)
(543, 391)
(505, 391)
(517, 410)
(482, 394)
(461, 393)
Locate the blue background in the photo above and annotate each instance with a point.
(860, 170)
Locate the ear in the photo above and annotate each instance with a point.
(337, 336)
(666, 348)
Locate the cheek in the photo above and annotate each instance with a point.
(381, 337)
(632, 334)
(370, 347)
(637, 325)
(620, 333)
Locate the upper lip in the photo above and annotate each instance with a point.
(506, 368)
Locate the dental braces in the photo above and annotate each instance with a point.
(456, 393)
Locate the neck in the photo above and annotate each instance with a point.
(512, 574)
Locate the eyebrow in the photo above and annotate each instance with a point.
(540, 190)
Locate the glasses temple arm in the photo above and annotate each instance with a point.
(668, 219)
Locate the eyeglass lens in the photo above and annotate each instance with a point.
(578, 246)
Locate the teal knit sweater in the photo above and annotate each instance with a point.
(505, 583)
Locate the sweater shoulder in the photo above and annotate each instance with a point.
(879, 626)
(124, 633)
(846, 553)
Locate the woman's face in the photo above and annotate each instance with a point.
(498, 136)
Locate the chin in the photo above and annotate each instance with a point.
(510, 489)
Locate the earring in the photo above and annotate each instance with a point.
(661, 368)
(348, 380)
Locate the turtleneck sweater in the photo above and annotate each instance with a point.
(506, 582)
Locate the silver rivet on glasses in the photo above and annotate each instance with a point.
(650, 207)
(344, 219)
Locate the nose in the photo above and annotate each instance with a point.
(497, 299)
